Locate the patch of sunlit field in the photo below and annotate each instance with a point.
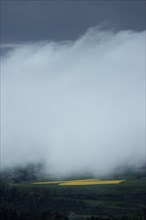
(48, 182)
(94, 182)
(80, 182)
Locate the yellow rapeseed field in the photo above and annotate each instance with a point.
(94, 182)
(81, 182)
(50, 182)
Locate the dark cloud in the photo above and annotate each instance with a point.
(66, 20)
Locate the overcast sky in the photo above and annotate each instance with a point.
(66, 20)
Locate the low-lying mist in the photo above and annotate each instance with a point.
(75, 106)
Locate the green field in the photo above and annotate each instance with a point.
(126, 200)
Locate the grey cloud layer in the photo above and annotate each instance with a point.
(65, 20)
(75, 105)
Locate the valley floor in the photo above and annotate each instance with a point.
(126, 200)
